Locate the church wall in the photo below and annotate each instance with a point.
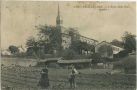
(66, 41)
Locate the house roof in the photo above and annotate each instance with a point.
(103, 42)
(89, 38)
(67, 29)
(108, 43)
(49, 60)
(74, 61)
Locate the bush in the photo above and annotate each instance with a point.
(123, 53)
(68, 54)
(96, 58)
(130, 62)
(127, 63)
(105, 60)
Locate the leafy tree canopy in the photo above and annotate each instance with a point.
(13, 49)
(129, 41)
(117, 43)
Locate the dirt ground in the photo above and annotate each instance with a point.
(26, 78)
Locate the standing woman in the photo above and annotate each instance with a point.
(44, 80)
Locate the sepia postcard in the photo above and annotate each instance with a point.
(68, 45)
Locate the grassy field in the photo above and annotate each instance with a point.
(26, 78)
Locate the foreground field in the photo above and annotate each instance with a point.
(26, 78)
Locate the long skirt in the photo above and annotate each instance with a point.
(44, 82)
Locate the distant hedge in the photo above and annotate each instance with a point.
(127, 63)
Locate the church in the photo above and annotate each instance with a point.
(69, 34)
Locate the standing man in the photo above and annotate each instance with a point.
(72, 77)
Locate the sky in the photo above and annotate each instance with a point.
(19, 18)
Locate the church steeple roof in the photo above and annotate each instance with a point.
(59, 20)
(58, 11)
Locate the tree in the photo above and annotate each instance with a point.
(117, 43)
(78, 46)
(74, 34)
(129, 41)
(33, 47)
(31, 42)
(31, 52)
(96, 58)
(68, 54)
(51, 35)
(87, 47)
(122, 53)
(13, 49)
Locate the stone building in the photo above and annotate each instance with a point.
(107, 50)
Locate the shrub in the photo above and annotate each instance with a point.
(68, 54)
(127, 63)
(123, 53)
(96, 58)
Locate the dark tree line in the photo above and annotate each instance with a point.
(78, 46)
(49, 39)
(129, 41)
